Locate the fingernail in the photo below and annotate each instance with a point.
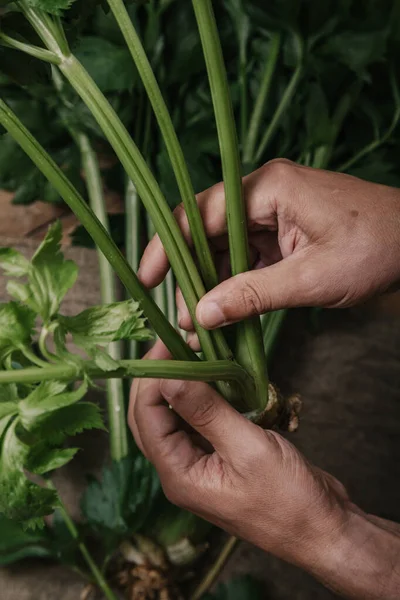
(170, 388)
(210, 315)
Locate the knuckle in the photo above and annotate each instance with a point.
(204, 412)
(280, 168)
(208, 199)
(179, 212)
(254, 298)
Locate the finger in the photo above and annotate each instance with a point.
(166, 444)
(154, 264)
(158, 352)
(184, 319)
(261, 209)
(193, 341)
(210, 415)
(294, 281)
(131, 415)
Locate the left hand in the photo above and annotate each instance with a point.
(214, 462)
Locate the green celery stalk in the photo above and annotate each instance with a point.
(250, 352)
(115, 390)
(210, 371)
(285, 100)
(205, 259)
(137, 169)
(261, 101)
(132, 240)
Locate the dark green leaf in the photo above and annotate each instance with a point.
(119, 504)
(20, 499)
(54, 7)
(358, 50)
(17, 544)
(70, 421)
(43, 459)
(111, 66)
(45, 400)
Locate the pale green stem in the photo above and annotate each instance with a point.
(43, 347)
(283, 104)
(323, 154)
(213, 573)
(93, 568)
(261, 101)
(372, 146)
(132, 237)
(35, 51)
(271, 325)
(250, 352)
(115, 389)
(31, 356)
(171, 301)
(219, 370)
(205, 259)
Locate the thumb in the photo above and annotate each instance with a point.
(210, 415)
(291, 282)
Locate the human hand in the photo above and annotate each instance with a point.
(317, 238)
(257, 486)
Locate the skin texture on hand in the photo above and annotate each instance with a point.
(257, 486)
(317, 238)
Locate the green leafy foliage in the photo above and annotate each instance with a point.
(49, 275)
(101, 325)
(54, 7)
(53, 542)
(108, 323)
(16, 327)
(17, 543)
(44, 401)
(36, 420)
(120, 502)
(13, 262)
(32, 430)
(20, 498)
(109, 64)
(241, 588)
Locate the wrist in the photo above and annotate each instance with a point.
(362, 560)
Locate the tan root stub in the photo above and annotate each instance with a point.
(282, 412)
(143, 571)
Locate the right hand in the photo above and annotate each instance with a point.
(317, 238)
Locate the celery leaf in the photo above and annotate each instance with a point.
(16, 327)
(13, 262)
(118, 504)
(46, 399)
(20, 498)
(50, 276)
(108, 323)
(51, 6)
